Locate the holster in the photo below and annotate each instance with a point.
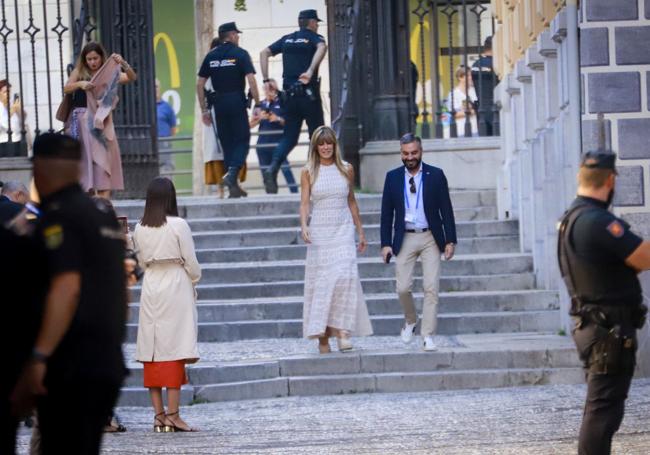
(605, 350)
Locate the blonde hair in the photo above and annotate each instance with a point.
(323, 135)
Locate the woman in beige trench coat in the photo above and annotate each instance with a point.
(167, 325)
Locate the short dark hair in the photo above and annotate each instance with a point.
(56, 146)
(223, 36)
(303, 23)
(160, 203)
(409, 138)
(487, 44)
(215, 42)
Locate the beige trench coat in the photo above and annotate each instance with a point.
(167, 327)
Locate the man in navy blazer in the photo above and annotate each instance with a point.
(417, 221)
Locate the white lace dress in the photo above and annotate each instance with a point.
(333, 294)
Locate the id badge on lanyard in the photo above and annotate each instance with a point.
(411, 213)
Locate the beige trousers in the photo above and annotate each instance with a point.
(422, 245)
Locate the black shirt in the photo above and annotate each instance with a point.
(24, 278)
(297, 49)
(598, 235)
(227, 66)
(79, 237)
(484, 80)
(79, 98)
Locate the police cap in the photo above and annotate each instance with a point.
(228, 27)
(599, 159)
(309, 14)
(57, 146)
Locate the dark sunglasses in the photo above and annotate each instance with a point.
(412, 183)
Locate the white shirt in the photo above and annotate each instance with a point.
(414, 216)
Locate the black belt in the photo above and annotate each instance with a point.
(417, 230)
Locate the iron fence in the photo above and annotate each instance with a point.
(453, 68)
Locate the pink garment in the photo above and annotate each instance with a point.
(101, 166)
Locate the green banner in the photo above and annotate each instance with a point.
(173, 42)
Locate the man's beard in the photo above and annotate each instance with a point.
(414, 164)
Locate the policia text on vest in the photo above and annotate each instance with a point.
(599, 259)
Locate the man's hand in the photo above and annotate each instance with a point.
(305, 77)
(449, 251)
(129, 269)
(28, 388)
(385, 251)
(207, 119)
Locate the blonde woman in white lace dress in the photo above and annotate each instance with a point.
(334, 303)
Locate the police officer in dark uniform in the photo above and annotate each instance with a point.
(76, 366)
(302, 52)
(599, 260)
(229, 67)
(485, 79)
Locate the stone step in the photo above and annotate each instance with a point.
(209, 206)
(503, 282)
(378, 304)
(291, 236)
(264, 272)
(378, 364)
(464, 228)
(383, 325)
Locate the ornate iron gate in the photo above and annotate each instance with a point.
(38, 76)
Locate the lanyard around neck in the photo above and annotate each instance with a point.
(417, 195)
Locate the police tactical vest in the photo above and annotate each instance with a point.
(588, 281)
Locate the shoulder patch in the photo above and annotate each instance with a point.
(616, 229)
(53, 236)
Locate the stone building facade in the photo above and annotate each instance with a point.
(561, 63)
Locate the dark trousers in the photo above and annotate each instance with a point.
(8, 427)
(72, 418)
(232, 126)
(603, 414)
(265, 156)
(297, 109)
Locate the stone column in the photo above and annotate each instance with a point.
(390, 49)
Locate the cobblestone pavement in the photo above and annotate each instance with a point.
(269, 349)
(527, 420)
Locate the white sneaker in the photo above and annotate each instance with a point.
(429, 345)
(407, 332)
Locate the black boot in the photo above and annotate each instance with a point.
(230, 180)
(270, 178)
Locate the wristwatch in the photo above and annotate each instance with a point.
(266, 80)
(38, 356)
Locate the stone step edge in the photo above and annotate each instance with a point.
(282, 386)
(293, 229)
(469, 258)
(474, 314)
(374, 279)
(292, 300)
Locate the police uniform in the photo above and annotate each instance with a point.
(484, 80)
(86, 369)
(227, 66)
(606, 304)
(301, 101)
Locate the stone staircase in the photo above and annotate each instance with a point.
(495, 328)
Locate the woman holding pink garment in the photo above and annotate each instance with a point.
(93, 87)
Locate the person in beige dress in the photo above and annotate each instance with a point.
(334, 304)
(167, 325)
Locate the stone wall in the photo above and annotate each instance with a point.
(615, 68)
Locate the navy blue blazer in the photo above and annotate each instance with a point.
(437, 208)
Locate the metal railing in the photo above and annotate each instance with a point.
(454, 83)
(181, 170)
